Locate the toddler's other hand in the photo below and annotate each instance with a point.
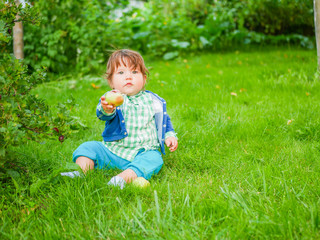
(108, 108)
(172, 143)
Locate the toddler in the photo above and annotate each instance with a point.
(135, 132)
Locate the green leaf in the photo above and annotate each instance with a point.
(15, 176)
(171, 55)
(176, 43)
(204, 41)
(34, 188)
(71, 166)
(141, 35)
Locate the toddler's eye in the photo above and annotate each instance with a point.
(135, 72)
(120, 72)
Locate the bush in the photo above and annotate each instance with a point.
(78, 34)
(72, 35)
(23, 116)
(277, 17)
(259, 22)
(162, 28)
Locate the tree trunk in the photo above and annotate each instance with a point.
(316, 7)
(18, 37)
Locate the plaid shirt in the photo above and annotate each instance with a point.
(138, 113)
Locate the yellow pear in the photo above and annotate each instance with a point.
(114, 97)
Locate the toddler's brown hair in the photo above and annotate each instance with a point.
(125, 56)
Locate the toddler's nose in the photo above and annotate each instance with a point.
(129, 75)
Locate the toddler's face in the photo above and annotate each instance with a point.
(127, 80)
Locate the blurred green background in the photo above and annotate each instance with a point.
(78, 35)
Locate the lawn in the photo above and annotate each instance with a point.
(247, 164)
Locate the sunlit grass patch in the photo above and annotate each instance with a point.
(247, 165)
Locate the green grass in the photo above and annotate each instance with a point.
(242, 171)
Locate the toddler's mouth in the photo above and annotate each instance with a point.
(128, 85)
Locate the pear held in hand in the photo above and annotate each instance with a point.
(114, 97)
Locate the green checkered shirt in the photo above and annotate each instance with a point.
(138, 114)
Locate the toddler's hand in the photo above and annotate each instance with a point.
(172, 143)
(108, 108)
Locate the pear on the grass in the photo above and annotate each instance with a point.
(114, 97)
(141, 182)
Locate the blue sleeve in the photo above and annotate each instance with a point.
(169, 126)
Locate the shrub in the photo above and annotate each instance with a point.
(275, 17)
(78, 34)
(72, 35)
(23, 116)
